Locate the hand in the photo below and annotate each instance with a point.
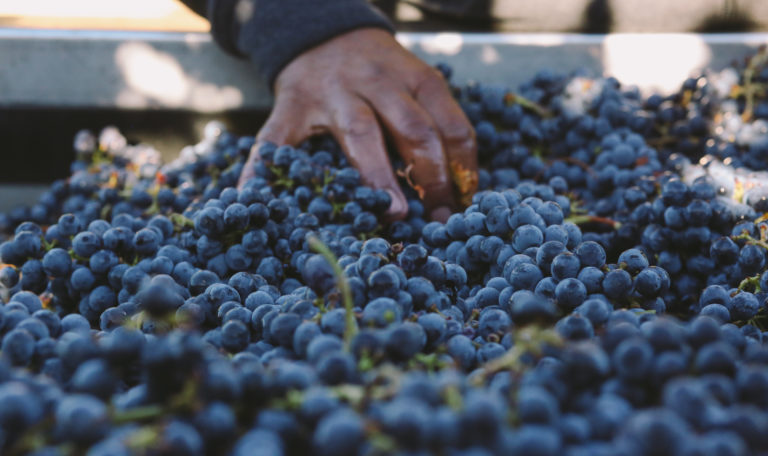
(353, 85)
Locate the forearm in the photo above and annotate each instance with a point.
(273, 32)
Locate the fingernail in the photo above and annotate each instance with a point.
(399, 206)
(440, 214)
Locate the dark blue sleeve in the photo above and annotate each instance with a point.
(273, 32)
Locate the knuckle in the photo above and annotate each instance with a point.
(430, 76)
(361, 76)
(359, 127)
(418, 132)
(374, 71)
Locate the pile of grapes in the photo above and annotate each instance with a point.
(604, 294)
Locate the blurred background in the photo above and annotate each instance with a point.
(150, 68)
(577, 16)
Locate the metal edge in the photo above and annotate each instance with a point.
(467, 38)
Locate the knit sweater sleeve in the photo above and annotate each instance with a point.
(273, 32)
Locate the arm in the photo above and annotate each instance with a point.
(335, 67)
(273, 32)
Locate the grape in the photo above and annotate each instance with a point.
(534, 439)
(605, 287)
(318, 274)
(617, 283)
(591, 253)
(82, 418)
(57, 263)
(633, 260)
(18, 346)
(259, 442)
(565, 265)
(339, 433)
(575, 327)
(743, 306)
(9, 276)
(527, 236)
(21, 407)
(632, 359)
(86, 243)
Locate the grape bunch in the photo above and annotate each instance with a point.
(603, 293)
(719, 113)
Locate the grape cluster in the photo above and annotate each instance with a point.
(603, 293)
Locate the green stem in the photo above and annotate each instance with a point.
(750, 283)
(512, 98)
(750, 240)
(584, 219)
(142, 439)
(75, 256)
(527, 340)
(749, 88)
(341, 281)
(138, 414)
(180, 221)
(48, 245)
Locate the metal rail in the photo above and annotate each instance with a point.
(175, 70)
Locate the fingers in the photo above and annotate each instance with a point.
(418, 142)
(456, 133)
(287, 124)
(356, 128)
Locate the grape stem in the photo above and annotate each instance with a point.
(584, 219)
(750, 88)
(341, 281)
(138, 414)
(750, 283)
(511, 98)
(751, 240)
(527, 341)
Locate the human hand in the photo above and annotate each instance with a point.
(356, 83)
